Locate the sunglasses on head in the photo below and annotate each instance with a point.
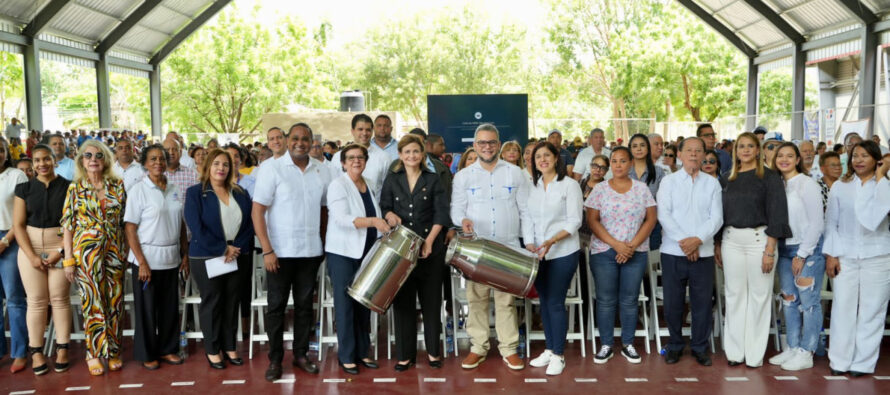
(89, 155)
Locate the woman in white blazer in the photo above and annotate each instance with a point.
(354, 224)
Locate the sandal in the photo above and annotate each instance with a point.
(115, 364)
(95, 366)
(61, 366)
(42, 369)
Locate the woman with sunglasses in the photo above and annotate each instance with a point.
(755, 217)
(669, 158)
(857, 246)
(710, 165)
(92, 220)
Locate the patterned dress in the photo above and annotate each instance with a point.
(98, 250)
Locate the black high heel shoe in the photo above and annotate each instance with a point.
(42, 369)
(215, 365)
(234, 361)
(437, 364)
(61, 367)
(352, 370)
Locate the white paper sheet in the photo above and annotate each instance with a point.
(219, 266)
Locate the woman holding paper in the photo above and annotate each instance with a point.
(158, 246)
(217, 212)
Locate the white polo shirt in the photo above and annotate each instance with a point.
(159, 217)
(131, 175)
(294, 199)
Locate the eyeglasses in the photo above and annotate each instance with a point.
(709, 162)
(670, 156)
(771, 147)
(598, 167)
(356, 158)
(89, 155)
(490, 143)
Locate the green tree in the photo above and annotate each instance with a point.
(12, 87)
(447, 52)
(232, 71)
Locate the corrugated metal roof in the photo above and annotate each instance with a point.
(812, 19)
(89, 22)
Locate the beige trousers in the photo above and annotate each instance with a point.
(45, 287)
(506, 324)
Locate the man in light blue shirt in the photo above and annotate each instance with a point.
(64, 165)
(383, 137)
(690, 210)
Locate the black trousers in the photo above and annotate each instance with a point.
(424, 284)
(218, 311)
(677, 273)
(245, 265)
(156, 310)
(298, 275)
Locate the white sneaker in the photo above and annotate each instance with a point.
(542, 360)
(556, 365)
(801, 360)
(783, 357)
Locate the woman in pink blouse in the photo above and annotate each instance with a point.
(621, 213)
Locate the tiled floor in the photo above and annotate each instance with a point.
(617, 376)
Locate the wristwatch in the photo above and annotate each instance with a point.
(4, 241)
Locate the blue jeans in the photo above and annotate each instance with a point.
(803, 315)
(353, 319)
(617, 284)
(14, 292)
(552, 283)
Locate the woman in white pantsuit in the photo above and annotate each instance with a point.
(857, 245)
(755, 217)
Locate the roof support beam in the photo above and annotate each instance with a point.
(798, 90)
(186, 31)
(127, 24)
(860, 10)
(103, 92)
(776, 20)
(753, 95)
(867, 76)
(33, 98)
(719, 27)
(44, 17)
(154, 86)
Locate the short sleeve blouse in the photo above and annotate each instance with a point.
(621, 214)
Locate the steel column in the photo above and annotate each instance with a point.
(753, 93)
(33, 96)
(103, 93)
(155, 91)
(867, 76)
(798, 90)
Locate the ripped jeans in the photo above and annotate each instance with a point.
(803, 314)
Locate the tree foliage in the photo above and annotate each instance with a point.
(229, 73)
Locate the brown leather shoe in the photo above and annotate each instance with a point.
(472, 361)
(305, 364)
(514, 362)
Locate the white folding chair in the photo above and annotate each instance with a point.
(259, 303)
(574, 304)
(326, 334)
(657, 299)
(642, 301)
